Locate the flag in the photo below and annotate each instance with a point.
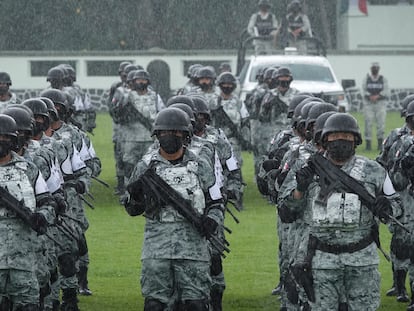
(353, 7)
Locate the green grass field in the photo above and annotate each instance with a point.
(251, 270)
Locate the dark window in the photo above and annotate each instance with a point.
(39, 68)
(103, 67)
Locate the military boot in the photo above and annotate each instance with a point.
(69, 300)
(368, 145)
(402, 295)
(83, 281)
(393, 290)
(216, 299)
(411, 305)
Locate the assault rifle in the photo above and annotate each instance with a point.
(22, 211)
(169, 196)
(333, 178)
(225, 121)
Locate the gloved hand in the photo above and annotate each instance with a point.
(304, 177)
(270, 164)
(38, 223)
(382, 208)
(407, 163)
(61, 205)
(80, 187)
(209, 226)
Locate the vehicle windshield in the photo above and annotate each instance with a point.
(300, 72)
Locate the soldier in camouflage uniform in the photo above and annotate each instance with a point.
(386, 158)
(22, 180)
(341, 252)
(175, 256)
(6, 97)
(206, 82)
(402, 176)
(137, 114)
(84, 113)
(191, 85)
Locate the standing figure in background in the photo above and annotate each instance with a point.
(376, 92)
(6, 97)
(263, 23)
(298, 26)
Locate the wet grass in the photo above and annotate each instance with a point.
(251, 268)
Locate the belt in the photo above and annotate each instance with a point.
(339, 249)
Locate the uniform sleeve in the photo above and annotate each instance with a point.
(251, 26)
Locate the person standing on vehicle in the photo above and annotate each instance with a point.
(375, 92)
(298, 26)
(263, 23)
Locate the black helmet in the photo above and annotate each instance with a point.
(226, 77)
(260, 74)
(296, 100)
(22, 117)
(316, 110)
(410, 109)
(142, 74)
(342, 122)
(206, 72)
(130, 76)
(282, 72)
(319, 123)
(37, 106)
(55, 74)
(50, 107)
(181, 99)
(57, 97)
(70, 71)
(7, 125)
(225, 67)
(173, 119)
(129, 68)
(5, 78)
(264, 3)
(304, 111)
(122, 66)
(269, 73)
(295, 6)
(187, 109)
(192, 70)
(404, 103)
(200, 105)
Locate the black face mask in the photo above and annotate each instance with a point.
(170, 143)
(141, 86)
(205, 86)
(374, 71)
(5, 148)
(283, 83)
(227, 90)
(20, 142)
(4, 90)
(340, 150)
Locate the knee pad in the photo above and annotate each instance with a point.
(153, 305)
(67, 266)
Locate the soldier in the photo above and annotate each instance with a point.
(263, 23)
(139, 113)
(206, 82)
(191, 85)
(375, 91)
(23, 181)
(175, 256)
(298, 26)
(6, 96)
(340, 254)
(55, 76)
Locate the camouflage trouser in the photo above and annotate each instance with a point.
(361, 286)
(21, 287)
(162, 279)
(374, 113)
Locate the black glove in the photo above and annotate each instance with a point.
(38, 223)
(304, 177)
(61, 205)
(216, 264)
(209, 226)
(80, 187)
(407, 163)
(271, 164)
(382, 208)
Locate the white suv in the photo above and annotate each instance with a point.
(312, 74)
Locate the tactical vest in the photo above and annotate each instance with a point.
(264, 26)
(375, 87)
(14, 179)
(294, 22)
